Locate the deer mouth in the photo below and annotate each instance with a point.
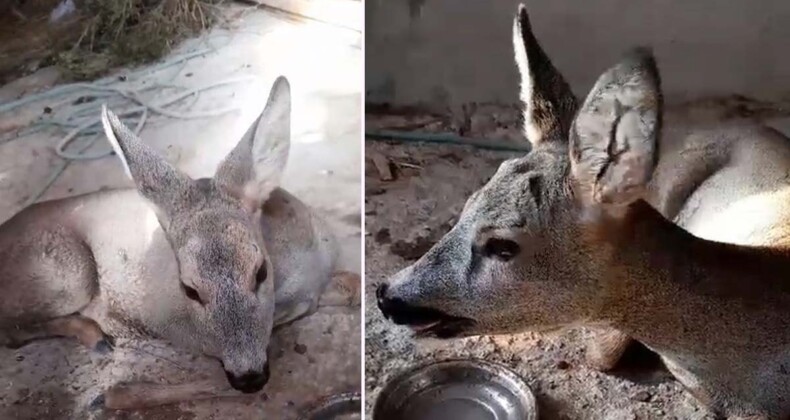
(450, 327)
(425, 322)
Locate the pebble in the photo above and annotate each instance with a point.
(642, 396)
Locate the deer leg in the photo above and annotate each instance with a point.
(84, 329)
(294, 311)
(135, 395)
(343, 290)
(605, 348)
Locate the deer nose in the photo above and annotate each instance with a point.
(400, 312)
(382, 301)
(394, 308)
(250, 381)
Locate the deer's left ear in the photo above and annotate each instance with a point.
(549, 104)
(253, 168)
(614, 137)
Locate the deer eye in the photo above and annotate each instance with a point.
(191, 293)
(501, 249)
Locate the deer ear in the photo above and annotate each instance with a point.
(157, 180)
(549, 104)
(253, 168)
(614, 137)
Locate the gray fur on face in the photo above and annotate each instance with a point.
(213, 225)
(535, 204)
(527, 201)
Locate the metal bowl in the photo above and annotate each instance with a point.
(457, 390)
(346, 406)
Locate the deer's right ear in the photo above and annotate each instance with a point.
(614, 137)
(253, 168)
(156, 179)
(549, 104)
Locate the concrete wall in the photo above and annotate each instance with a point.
(449, 52)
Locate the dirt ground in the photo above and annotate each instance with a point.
(313, 358)
(404, 216)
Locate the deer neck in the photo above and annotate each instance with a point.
(665, 286)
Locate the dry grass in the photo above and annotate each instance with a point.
(121, 32)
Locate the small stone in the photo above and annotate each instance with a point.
(383, 166)
(375, 191)
(34, 66)
(562, 365)
(383, 236)
(642, 396)
(20, 358)
(300, 348)
(279, 353)
(412, 250)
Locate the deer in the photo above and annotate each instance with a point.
(211, 265)
(638, 229)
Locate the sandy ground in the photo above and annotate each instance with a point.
(406, 215)
(313, 358)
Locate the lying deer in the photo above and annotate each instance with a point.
(578, 232)
(188, 261)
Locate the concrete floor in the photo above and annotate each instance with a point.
(58, 378)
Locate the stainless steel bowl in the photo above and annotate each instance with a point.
(456, 390)
(337, 407)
